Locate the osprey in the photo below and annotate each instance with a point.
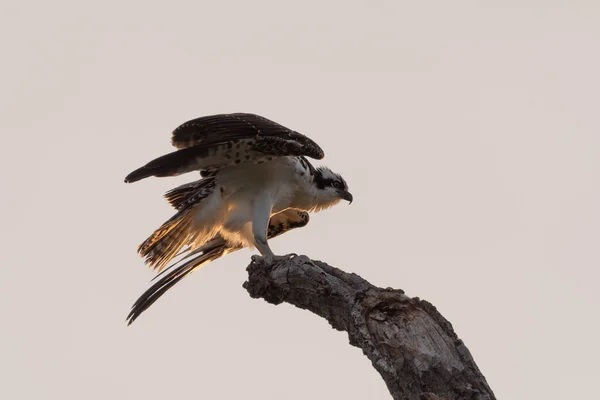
(256, 184)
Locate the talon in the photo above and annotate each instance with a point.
(283, 257)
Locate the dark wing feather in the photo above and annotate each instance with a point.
(286, 221)
(188, 193)
(215, 248)
(231, 127)
(166, 241)
(218, 141)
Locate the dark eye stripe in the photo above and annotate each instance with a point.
(321, 182)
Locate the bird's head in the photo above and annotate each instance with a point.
(330, 188)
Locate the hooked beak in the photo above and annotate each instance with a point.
(346, 196)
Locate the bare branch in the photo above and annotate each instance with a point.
(408, 341)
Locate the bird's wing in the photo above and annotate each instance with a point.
(177, 232)
(223, 140)
(213, 249)
(188, 192)
(285, 221)
(185, 194)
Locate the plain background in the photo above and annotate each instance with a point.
(468, 132)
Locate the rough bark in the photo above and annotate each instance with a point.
(408, 341)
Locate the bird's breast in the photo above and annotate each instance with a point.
(287, 185)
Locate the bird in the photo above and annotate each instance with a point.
(256, 183)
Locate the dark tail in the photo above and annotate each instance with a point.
(209, 252)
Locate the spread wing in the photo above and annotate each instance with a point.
(213, 249)
(218, 141)
(177, 232)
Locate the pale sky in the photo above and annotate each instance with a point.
(468, 133)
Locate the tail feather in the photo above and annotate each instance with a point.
(210, 252)
(217, 241)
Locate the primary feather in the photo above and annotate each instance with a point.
(219, 141)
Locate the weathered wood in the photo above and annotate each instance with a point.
(408, 341)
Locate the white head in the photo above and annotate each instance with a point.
(329, 189)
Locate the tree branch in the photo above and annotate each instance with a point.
(408, 341)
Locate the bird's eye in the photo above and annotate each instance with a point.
(336, 184)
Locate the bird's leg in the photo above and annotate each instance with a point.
(261, 215)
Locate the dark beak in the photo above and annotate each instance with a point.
(346, 196)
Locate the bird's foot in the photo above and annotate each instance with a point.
(269, 259)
